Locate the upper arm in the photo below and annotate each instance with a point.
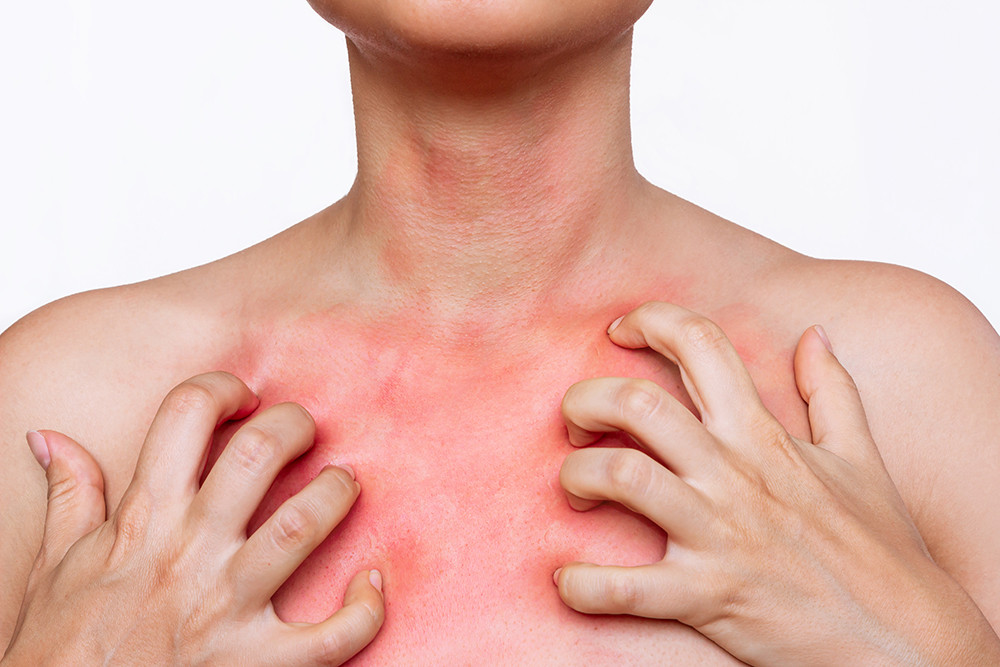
(93, 366)
(70, 366)
(927, 364)
(26, 376)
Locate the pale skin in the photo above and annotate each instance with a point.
(170, 575)
(432, 320)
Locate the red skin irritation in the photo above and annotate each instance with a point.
(457, 447)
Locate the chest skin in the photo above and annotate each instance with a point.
(457, 440)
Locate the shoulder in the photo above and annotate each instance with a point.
(89, 349)
(87, 362)
(94, 366)
(927, 364)
(901, 325)
(922, 354)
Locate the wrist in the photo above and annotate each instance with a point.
(940, 624)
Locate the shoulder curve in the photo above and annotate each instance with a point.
(88, 350)
(927, 364)
(884, 302)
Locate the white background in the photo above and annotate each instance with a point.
(140, 138)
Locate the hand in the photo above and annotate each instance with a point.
(170, 576)
(779, 550)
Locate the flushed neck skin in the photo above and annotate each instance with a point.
(491, 180)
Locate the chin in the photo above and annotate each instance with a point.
(489, 27)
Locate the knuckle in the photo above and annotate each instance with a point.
(628, 473)
(702, 334)
(62, 489)
(188, 398)
(622, 593)
(355, 626)
(775, 440)
(295, 525)
(720, 599)
(131, 523)
(253, 450)
(639, 400)
(649, 310)
(336, 645)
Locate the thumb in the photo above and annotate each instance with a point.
(75, 491)
(836, 415)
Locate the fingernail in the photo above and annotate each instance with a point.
(823, 337)
(614, 325)
(555, 576)
(375, 578)
(349, 469)
(39, 448)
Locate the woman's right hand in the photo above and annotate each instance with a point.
(170, 576)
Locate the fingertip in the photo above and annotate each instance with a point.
(365, 587)
(582, 504)
(344, 474)
(372, 595)
(347, 631)
(563, 578)
(67, 455)
(580, 438)
(623, 331)
(249, 400)
(812, 354)
(824, 338)
(39, 448)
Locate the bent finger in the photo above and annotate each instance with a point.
(633, 479)
(248, 465)
(645, 411)
(340, 637)
(651, 591)
(295, 529)
(712, 371)
(177, 444)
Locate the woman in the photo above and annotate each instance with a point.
(431, 321)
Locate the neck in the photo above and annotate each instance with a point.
(493, 183)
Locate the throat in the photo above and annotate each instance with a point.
(472, 196)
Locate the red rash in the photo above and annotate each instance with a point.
(457, 442)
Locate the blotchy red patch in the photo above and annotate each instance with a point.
(457, 447)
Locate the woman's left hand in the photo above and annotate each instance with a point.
(781, 551)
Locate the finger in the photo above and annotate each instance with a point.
(176, 446)
(295, 529)
(343, 635)
(713, 373)
(75, 496)
(248, 465)
(651, 591)
(836, 414)
(645, 411)
(633, 479)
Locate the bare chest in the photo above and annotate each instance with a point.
(461, 508)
